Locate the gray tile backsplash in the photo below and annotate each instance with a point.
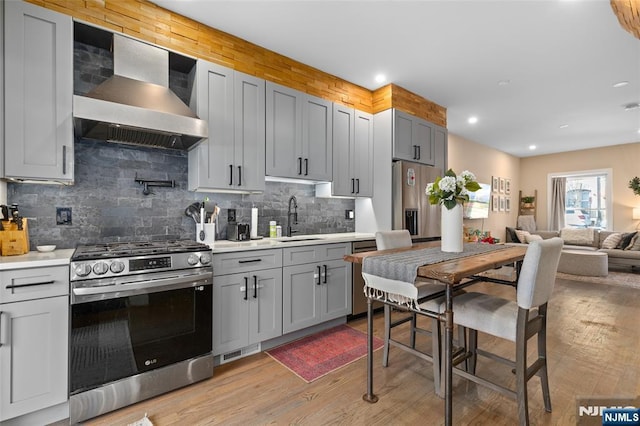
(108, 205)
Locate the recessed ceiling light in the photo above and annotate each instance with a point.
(381, 78)
(472, 120)
(504, 82)
(564, 126)
(532, 147)
(631, 106)
(620, 84)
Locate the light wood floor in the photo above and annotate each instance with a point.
(593, 351)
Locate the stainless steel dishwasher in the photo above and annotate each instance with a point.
(359, 302)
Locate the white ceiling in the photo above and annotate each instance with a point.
(561, 59)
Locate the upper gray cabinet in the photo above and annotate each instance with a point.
(352, 154)
(440, 140)
(233, 104)
(38, 85)
(413, 139)
(299, 139)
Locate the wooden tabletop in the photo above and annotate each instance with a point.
(453, 271)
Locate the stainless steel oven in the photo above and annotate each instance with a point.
(141, 323)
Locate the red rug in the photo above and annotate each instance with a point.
(319, 354)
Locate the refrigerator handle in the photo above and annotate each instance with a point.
(411, 221)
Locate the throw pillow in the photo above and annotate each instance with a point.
(636, 244)
(632, 242)
(625, 240)
(522, 235)
(533, 237)
(612, 241)
(577, 236)
(511, 233)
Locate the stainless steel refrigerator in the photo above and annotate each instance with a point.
(411, 208)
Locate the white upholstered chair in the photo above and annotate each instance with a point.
(398, 239)
(516, 321)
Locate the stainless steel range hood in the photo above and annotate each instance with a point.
(136, 106)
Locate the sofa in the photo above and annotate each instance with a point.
(622, 249)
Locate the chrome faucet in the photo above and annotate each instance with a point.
(294, 214)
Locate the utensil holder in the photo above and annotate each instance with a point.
(209, 234)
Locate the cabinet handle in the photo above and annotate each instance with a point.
(415, 152)
(357, 186)
(319, 274)
(306, 166)
(419, 152)
(29, 285)
(249, 260)
(299, 165)
(255, 286)
(353, 186)
(64, 159)
(246, 284)
(324, 276)
(239, 175)
(1, 341)
(230, 174)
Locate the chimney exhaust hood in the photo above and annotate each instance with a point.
(136, 106)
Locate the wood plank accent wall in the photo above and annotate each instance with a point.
(146, 21)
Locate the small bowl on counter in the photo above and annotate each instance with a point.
(46, 248)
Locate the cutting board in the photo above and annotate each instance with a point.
(13, 241)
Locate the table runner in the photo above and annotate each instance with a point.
(403, 266)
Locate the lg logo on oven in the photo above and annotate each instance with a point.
(150, 362)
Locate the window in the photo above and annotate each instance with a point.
(586, 200)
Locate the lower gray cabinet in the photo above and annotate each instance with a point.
(247, 304)
(316, 285)
(34, 333)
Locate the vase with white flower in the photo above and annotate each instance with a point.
(452, 191)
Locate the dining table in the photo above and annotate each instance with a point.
(455, 273)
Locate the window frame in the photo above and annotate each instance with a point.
(608, 188)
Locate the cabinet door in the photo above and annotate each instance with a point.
(440, 140)
(212, 162)
(265, 312)
(33, 355)
(2, 91)
(403, 139)
(230, 313)
(343, 151)
(249, 94)
(336, 289)
(300, 297)
(423, 134)
(362, 154)
(39, 89)
(284, 131)
(317, 139)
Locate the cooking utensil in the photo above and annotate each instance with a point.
(202, 222)
(193, 212)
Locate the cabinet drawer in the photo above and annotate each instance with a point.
(33, 283)
(247, 261)
(316, 253)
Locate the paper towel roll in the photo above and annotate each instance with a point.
(254, 222)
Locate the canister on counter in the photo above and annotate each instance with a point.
(272, 229)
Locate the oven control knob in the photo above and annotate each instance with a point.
(117, 267)
(83, 269)
(193, 259)
(100, 268)
(205, 258)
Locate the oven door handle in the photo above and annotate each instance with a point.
(130, 289)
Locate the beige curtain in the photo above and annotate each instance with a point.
(558, 195)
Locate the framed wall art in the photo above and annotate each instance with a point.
(507, 186)
(495, 203)
(507, 204)
(495, 184)
(502, 182)
(502, 203)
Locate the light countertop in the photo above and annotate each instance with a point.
(35, 259)
(225, 246)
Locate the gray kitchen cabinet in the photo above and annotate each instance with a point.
(247, 304)
(352, 154)
(34, 333)
(413, 138)
(440, 140)
(298, 135)
(316, 285)
(38, 87)
(232, 158)
(2, 90)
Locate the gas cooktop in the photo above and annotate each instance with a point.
(142, 248)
